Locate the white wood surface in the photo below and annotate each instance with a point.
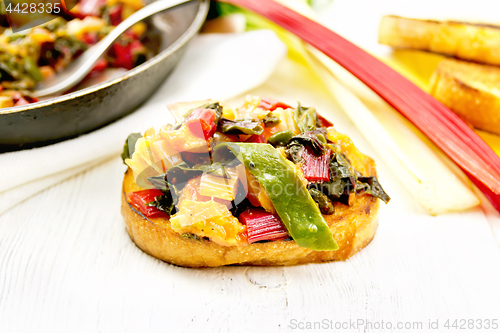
(68, 265)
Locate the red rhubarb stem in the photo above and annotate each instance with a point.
(434, 119)
(262, 225)
(316, 168)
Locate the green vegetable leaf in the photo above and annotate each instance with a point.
(281, 138)
(335, 190)
(296, 145)
(218, 111)
(213, 106)
(193, 237)
(32, 69)
(371, 186)
(324, 204)
(340, 167)
(170, 196)
(129, 147)
(69, 43)
(160, 182)
(271, 120)
(244, 126)
(181, 173)
(290, 197)
(343, 178)
(164, 203)
(305, 118)
(198, 169)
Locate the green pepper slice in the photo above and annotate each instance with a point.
(32, 69)
(293, 203)
(281, 138)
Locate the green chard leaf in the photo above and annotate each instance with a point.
(164, 203)
(281, 138)
(244, 126)
(160, 182)
(371, 186)
(181, 173)
(218, 111)
(32, 69)
(298, 211)
(71, 44)
(343, 178)
(295, 146)
(193, 237)
(324, 203)
(340, 167)
(213, 106)
(271, 120)
(170, 197)
(305, 118)
(129, 147)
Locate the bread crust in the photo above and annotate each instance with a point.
(471, 91)
(469, 41)
(353, 227)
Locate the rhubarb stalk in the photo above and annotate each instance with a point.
(262, 225)
(436, 121)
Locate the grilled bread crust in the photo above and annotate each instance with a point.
(472, 91)
(474, 42)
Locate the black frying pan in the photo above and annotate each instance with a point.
(85, 110)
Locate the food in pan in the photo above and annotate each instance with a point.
(263, 184)
(30, 56)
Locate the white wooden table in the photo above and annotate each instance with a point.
(68, 265)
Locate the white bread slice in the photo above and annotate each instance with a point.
(353, 227)
(472, 91)
(468, 41)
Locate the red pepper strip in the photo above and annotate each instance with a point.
(257, 139)
(270, 104)
(21, 101)
(122, 56)
(140, 199)
(31, 99)
(316, 168)
(204, 118)
(16, 95)
(125, 55)
(115, 15)
(100, 66)
(262, 225)
(89, 38)
(131, 34)
(136, 47)
(90, 7)
(323, 121)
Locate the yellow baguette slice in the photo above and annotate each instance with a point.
(472, 91)
(469, 41)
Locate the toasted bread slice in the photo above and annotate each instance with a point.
(472, 91)
(468, 41)
(353, 227)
